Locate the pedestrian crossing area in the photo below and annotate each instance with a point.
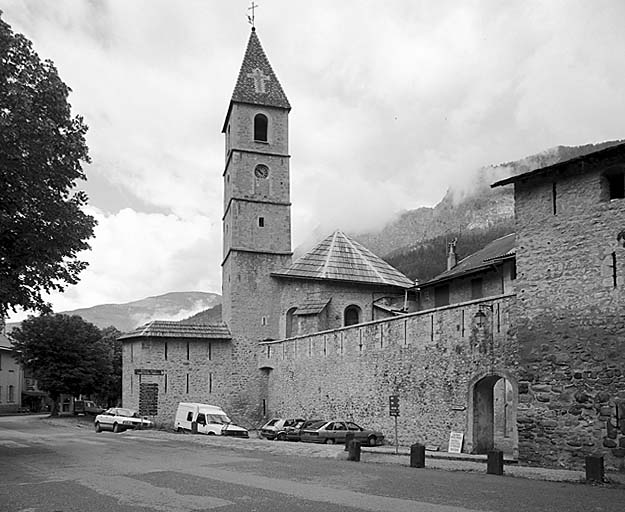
(65, 440)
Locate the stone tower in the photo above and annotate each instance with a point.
(257, 208)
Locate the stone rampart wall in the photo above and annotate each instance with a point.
(428, 358)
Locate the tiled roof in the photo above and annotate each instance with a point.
(161, 328)
(609, 152)
(257, 83)
(312, 306)
(339, 258)
(497, 250)
(5, 342)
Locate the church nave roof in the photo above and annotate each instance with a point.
(340, 258)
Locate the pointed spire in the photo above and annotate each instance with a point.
(257, 83)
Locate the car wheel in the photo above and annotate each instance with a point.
(211, 433)
(281, 436)
(98, 428)
(329, 441)
(373, 440)
(116, 428)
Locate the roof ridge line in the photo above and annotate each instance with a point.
(327, 261)
(363, 256)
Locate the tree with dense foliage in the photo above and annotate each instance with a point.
(111, 394)
(65, 354)
(42, 148)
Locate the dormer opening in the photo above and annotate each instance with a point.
(261, 124)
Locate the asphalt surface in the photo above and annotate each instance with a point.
(62, 465)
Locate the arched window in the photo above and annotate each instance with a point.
(290, 328)
(352, 315)
(260, 127)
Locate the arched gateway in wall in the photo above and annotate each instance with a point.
(492, 413)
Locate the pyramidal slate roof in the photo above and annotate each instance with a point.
(499, 249)
(257, 83)
(169, 329)
(339, 258)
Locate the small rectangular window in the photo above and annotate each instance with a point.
(476, 288)
(165, 351)
(616, 184)
(441, 296)
(261, 222)
(188, 351)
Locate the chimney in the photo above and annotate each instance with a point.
(451, 255)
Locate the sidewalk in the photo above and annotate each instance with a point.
(477, 463)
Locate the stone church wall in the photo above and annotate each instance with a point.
(570, 320)
(293, 293)
(428, 358)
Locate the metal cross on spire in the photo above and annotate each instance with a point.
(251, 18)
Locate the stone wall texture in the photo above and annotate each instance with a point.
(193, 371)
(570, 322)
(430, 359)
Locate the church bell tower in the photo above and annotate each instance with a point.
(257, 208)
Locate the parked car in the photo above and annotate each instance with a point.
(87, 407)
(208, 419)
(119, 419)
(276, 428)
(293, 433)
(331, 432)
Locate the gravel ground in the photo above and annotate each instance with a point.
(377, 455)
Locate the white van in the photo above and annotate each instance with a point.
(210, 419)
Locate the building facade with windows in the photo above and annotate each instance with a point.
(11, 376)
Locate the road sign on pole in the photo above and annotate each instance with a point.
(393, 405)
(393, 409)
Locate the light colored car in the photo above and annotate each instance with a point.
(119, 419)
(331, 432)
(276, 428)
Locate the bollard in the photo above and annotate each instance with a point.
(594, 468)
(348, 437)
(417, 455)
(494, 465)
(354, 451)
(194, 427)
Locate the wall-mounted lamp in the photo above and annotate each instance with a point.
(480, 316)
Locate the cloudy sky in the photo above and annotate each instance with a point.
(393, 102)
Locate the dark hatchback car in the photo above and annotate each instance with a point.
(331, 432)
(276, 428)
(293, 433)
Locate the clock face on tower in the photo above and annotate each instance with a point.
(261, 171)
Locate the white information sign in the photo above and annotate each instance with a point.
(455, 442)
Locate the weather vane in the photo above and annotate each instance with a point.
(251, 18)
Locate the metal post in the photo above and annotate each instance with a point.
(417, 456)
(594, 469)
(354, 451)
(396, 438)
(348, 438)
(494, 465)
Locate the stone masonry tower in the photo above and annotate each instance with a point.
(257, 208)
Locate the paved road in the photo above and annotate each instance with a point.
(51, 468)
